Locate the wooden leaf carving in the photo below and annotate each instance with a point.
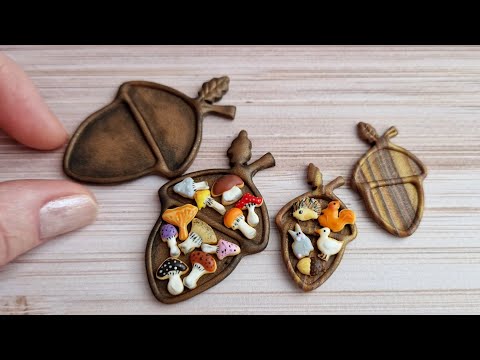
(213, 90)
(367, 133)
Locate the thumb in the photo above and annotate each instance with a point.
(32, 211)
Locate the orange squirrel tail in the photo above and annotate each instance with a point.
(347, 216)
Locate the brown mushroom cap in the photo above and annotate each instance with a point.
(225, 183)
(231, 216)
(204, 259)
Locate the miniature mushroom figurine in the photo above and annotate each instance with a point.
(203, 199)
(200, 233)
(187, 187)
(223, 249)
(181, 217)
(234, 219)
(169, 234)
(202, 264)
(171, 269)
(250, 202)
(229, 187)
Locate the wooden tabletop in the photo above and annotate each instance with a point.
(302, 104)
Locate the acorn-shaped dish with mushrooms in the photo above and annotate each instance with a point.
(213, 192)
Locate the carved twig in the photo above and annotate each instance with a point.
(332, 185)
(265, 162)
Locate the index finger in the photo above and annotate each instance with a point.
(23, 113)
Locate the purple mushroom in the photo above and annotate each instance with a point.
(169, 234)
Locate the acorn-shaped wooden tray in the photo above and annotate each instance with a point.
(320, 270)
(148, 128)
(157, 250)
(390, 180)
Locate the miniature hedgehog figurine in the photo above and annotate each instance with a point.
(306, 209)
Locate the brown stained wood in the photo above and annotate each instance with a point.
(389, 178)
(285, 221)
(148, 128)
(157, 251)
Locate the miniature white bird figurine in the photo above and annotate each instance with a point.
(302, 246)
(327, 245)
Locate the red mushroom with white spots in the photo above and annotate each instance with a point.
(202, 264)
(250, 202)
(223, 249)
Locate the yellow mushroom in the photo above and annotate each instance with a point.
(203, 198)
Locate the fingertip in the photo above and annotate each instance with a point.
(23, 114)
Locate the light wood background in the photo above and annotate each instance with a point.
(302, 104)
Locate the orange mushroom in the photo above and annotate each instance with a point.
(181, 217)
(234, 219)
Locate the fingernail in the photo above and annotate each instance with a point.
(66, 214)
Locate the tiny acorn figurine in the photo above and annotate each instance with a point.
(309, 265)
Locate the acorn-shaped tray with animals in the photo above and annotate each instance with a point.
(315, 229)
(148, 128)
(209, 220)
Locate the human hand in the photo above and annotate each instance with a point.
(32, 211)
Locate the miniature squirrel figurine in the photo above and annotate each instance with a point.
(335, 220)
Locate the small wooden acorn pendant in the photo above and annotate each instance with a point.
(233, 182)
(389, 178)
(299, 265)
(148, 128)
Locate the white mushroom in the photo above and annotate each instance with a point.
(187, 187)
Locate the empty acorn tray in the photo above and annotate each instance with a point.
(148, 128)
(209, 221)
